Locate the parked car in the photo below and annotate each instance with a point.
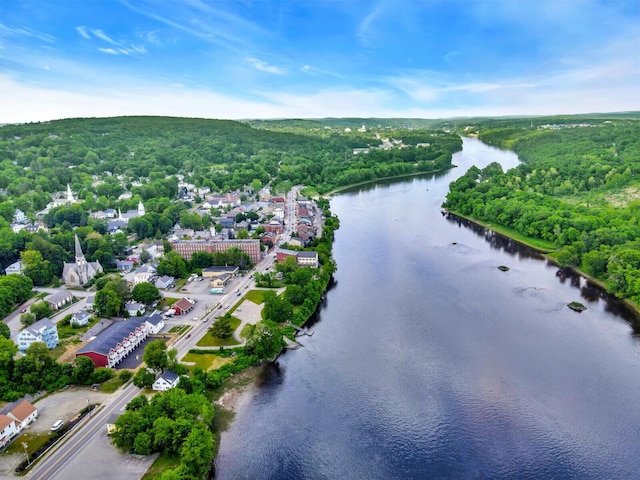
(23, 310)
(57, 426)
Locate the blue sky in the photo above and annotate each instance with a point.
(317, 58)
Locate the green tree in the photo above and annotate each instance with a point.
(276, 308)
(83, 369)
(145, 293)
(41, 310)
(155, 355)
(143, 378)
(4, 330)
(265, 340)
(222, 327)
(197, 453)
(27, 319)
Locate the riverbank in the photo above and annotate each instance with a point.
(546, 249)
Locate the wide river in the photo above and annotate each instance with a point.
(427, 362)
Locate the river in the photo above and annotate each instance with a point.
(427, 362)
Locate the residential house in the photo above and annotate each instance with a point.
(308, 259)
(168, 379)
(269, 239)
(296, 242)
(144, 274)
(135, 309)
(165, 282)
(124, 265)
(90, 303)
(80, 319)
(155, 323)
(43, 330)
(15, 267)
(7, 430)
(20, 217)
(23, 412)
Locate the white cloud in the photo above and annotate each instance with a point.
(83, 32)
(110, 51)
(265, 67)
(103, 36)
(25, 32)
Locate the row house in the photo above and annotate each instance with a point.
(14, 418)
(116, 342)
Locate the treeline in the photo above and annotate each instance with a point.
(578, 188)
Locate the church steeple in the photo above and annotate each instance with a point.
(70, 198)
(81, 263)
(141, 211)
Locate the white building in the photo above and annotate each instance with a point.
(15, 267)
(80, 319)
(42, 331)
(169, 379)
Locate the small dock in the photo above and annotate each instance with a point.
(291, 344)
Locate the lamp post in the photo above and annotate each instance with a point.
(24, 444)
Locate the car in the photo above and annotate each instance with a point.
(23, 310)
(226, 306)
(95, 386)
(57, 426)
(195, 318)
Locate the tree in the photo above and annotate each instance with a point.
(84, 367)
(27, 319)
(41, 310)
(4, 330)
(197, 453)
(222, 327)
(276, 308)
(35, 267)
(155, 355)
(145, 293)
(145, 256)
(143, 378)
(265, 340)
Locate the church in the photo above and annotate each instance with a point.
(78, 273)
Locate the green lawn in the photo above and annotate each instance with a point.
(111, 385)
(33, 440)
(179, 329)
(66, 331)
(168, 301)
(206, 361)
(210, 341)
(256, 296)
(165, 461)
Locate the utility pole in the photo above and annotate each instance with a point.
(26, 451)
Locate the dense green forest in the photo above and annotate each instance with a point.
(578, 187)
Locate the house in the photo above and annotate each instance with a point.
(144, 274)
(42, 331)
(165, 282)
(15, 267)
(155, 323)
(124, 265)
(269, 239)
(80, 319)
(23, 412)
(169, 379)
(89, 303)
(308, 259)
(59, 300)
(282, 254)
(135, 309)
(296, 242)
(115, 342)
(20, 217)
(7, 430)
(182, 306)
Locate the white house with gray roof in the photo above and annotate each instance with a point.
(42, 331)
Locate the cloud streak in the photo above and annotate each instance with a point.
(265, 67)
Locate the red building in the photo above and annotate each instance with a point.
(182, 306)
(186, 248)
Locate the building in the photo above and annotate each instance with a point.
(20, 217)
(59, 300)
(7, 430)
(155, 323)
(303, 258)
(220, 281)
(15, 267)
(42, 331)
(169, 379)
(211, 272)
(135, 309)
(165, 282)
(144, 274)
(183, 306)
(89, 303)
(124, 265)
(282, 254)
(80, 319)
(78, 273)
(23, 412)
(186, 248)
(115, 342)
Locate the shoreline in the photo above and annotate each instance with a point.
(630, 305)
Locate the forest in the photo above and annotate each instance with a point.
(577, 189)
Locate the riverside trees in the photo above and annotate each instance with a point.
(577, 189)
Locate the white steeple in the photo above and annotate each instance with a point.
(141, 211)
(70, 198)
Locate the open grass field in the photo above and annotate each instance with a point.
(206, 361)
(208, 340)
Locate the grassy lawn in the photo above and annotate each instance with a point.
(66, 331)
(256, 296)
(34, 442)
(210, 341)
(206, 361)
(165, 461)
(59, 350)
(168, 301)
(111, 385)
(179, 329)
